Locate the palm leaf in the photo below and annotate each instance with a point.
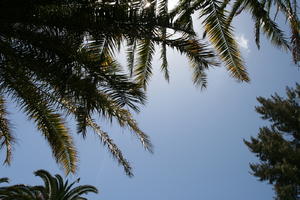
(104, 137)
(49, 123)
(257, 33)
(6, 137)
(131, 56)
(269, 27)
(143, 71)
(221, 37)
(163, 11)
(199, 55)
(3, 180)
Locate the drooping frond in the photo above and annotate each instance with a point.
(112, 147)
(143, 70)
(200, 56)
(48, 122)
(224, 4)
(221, 37)
(104, 137)
(260, 14)
(269, 27)
(122, 90)
(131, 51)
(163, 11)
(6, 137)
(237, 5)
(164, 65)
(125, 119)
(290, 11)
(183, 15)
(257, 32)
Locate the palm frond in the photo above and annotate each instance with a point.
(237, 5)
(224, 4)
(143, 71)
(163, 11)
(164, 65)
(6, 137)
(49, 123)
(125, 119)
(269, 27)
(76, 192)
(221, 37)
(200, 57)
(131, 55)
(103, 136)
(257, 33)
(112, 147)
(56, 188)
(3, 180)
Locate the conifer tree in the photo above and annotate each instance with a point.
(278, 146)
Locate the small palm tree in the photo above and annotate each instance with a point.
(54, 188)
(3, 180)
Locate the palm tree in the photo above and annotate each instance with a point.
(54, 188)
(3, 180)
(58, 59)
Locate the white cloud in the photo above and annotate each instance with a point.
(172, 4)
(243, 42)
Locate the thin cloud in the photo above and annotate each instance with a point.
(243, 42)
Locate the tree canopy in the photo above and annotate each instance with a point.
(278, 146)
(59, 59)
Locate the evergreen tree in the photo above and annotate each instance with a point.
(278, 146)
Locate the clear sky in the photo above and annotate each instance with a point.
(197, 135)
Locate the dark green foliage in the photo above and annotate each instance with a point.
(57, 58)
(278, 146)
(54, 188)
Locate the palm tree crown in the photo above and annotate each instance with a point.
(58, 59)
(54, 188)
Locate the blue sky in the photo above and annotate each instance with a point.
(197, 134)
